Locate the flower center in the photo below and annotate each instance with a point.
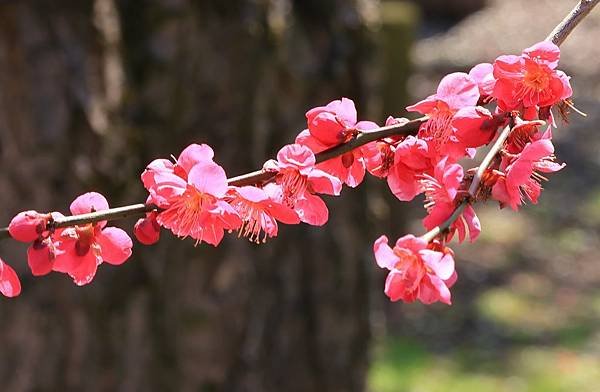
(293, 185)
(536, 79)
(255, 220)
(187, 214)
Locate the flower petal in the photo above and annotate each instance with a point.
(115, 245)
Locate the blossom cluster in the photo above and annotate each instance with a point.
(192, 196)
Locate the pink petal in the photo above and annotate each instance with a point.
(344, 110)
(10, 286)
(412, 243)
(312, 210)
(115, 245)
(296, 156)
(384, 255)
(434, 289)
(403, 183)
(321, 182)
(395, 287)
(442, 265)
(326, 128)
(194, 154)
(483, 75)
(545, 51)
(86, 269)
(425, 106)
(39, 258)
(88, 202)
(252, 193)
(458, 90)
(472, 222)
(209, 178)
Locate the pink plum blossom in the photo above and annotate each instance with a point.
(521, 178)
(331, 125)
(530, 79)
(300, 180)
(416, 271)
(191, 193)
(82, 248)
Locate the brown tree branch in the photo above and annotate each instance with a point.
(564, 28)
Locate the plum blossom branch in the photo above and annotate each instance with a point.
(564, 28)
(255, 177)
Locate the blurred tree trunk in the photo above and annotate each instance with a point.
(90, 92)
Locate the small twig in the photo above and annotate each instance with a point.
(564, 28)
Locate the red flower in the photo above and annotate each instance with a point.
(416, 270)
(82, 248)
(531, 78)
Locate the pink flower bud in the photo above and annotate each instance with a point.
(27, 226)
(147, 230)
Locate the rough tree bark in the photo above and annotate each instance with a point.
(92, 91)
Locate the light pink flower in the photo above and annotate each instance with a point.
(191, 193)
(260, 210)
(10, 286)
(531, 78)
(300, 180)
(521, 178)
(82, 248)
(441, 192)
(416, 272)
